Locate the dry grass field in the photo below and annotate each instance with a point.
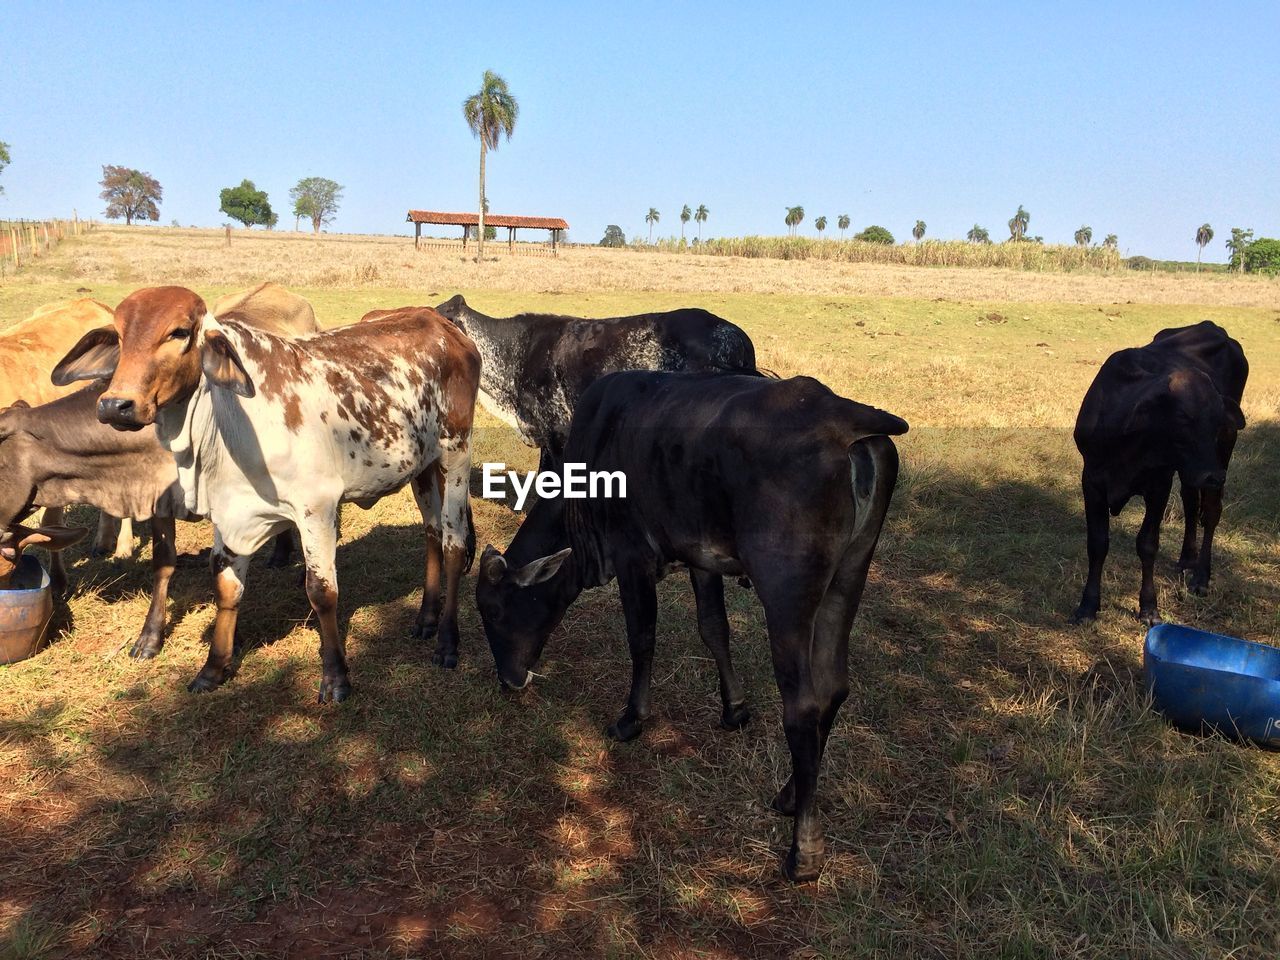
(996, 785)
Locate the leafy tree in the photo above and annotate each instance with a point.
(613, 236)
(652, 217)
(131, 194)
(918, 230)
(978, 235)
(1263, 256)
(1018, 224)
(875, 234)
(821, 224)
(315, 198)
(4, 159)
(1083, 236)
(490, 113)
(1238, 244)
(246, 203)
(793, 219)
(685, 216)
(1203, 236)
(842, 222)
(1112, 242)
(700, 216)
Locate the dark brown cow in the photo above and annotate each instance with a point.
(1170, 407)
(269, 432)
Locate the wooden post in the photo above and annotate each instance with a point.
(417, 235)
(228, 229)
(555, 235)
(13, 239)
(511, 239)
(464, 238)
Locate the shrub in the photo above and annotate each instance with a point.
(1139, 263)
(1263, 256)
(875, 234)
(613, 236)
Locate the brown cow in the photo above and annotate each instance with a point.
(269, 432)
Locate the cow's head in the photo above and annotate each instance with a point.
(519, 607)
(17, 538)
(1186, 415)
(154, 353)
(455, 310)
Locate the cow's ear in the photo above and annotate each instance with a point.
(544, 568)
(223, 366)
(93, 358)
(1147, 408)
(492, 564)
(1235, 416)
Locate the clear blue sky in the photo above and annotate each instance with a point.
(1142, 120)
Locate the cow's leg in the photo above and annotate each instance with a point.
(1098, 524)
(713, 625)
(107, 535)
(1210, 514)
(124, 540)
(53, 517)
(281, 550)
(164, 556)
(428, 495)
(319, 535)
(459, 545)
(1156, 497)
(791, 636)
(638, 588)
(229, 573)
(1190, 513)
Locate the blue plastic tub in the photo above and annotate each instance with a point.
(1206, 682)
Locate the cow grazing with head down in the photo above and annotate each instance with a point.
(28, 351)
(784, 482)
(269, 431)
(537, 366)
(1170, 407)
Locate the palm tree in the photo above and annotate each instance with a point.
(1018, 224)
(1083, 236)
(842, 222)
(821, 224)
(1203, 236)
(490, 113)
(978, 235)
(795, 217)
(700, 215)
(651, 218)
(918, 230)
(1112, 242)
(685, 216)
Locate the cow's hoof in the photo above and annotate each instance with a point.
(1148, 618)
(785, 800)
(146, 647)
(1083, 617)
(448, 661)
(423, 631)
(1198, 587)
(626, 727)
(1187, 563)
(801, 867)
(98, 551)
(205, 682)
(735, 716)
(334, 689)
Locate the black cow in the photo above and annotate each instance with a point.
(536, 366)
(782, 481)
(1170, 407)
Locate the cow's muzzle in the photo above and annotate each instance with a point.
(1212, 480)
(119, 412)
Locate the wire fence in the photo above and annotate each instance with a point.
(23, 240)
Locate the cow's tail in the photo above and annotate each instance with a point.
(470, 540)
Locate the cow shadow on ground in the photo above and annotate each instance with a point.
(995, 783)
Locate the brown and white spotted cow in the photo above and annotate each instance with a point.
(271, 431)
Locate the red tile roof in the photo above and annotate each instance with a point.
(490, 220)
